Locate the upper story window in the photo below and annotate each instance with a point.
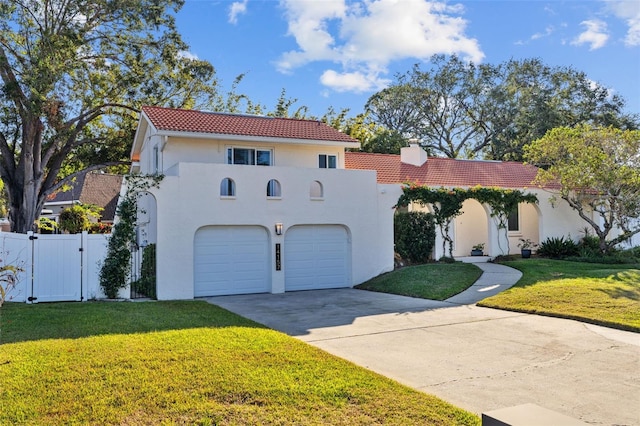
(250, 156)
(326, 161)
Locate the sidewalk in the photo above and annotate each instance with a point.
(494, 279)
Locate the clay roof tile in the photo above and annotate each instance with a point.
(444, 171)
(193, 121)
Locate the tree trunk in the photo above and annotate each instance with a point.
(25, 207)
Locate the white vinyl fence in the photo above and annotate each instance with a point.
(54, 268)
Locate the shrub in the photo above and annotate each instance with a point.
(73, 220)
(47, 225)
(146, 285)
(414, 236)
(558, 248)
(100, 228)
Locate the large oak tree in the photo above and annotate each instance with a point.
(73, 75)
(458, 109)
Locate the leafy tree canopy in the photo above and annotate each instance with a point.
(73, 75)
(596, 171)
(457, 109)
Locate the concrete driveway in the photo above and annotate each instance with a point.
(476, 358)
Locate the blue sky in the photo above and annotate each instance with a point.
(339, 52)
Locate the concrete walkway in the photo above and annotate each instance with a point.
(494, 279)
(476, 358)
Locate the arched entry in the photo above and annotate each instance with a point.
(143, 255)
(470, 228)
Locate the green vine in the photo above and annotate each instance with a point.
(115, 270)
(446, 204)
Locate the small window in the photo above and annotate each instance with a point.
(156, 160)
(513, 222)
(327, 161)
(227, 188)
(249, 156)
(273, 189)
(316, 190)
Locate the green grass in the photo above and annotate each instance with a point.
(435, 281)
(601, 294)
(185, 363)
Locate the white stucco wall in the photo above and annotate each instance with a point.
(558, 218)
(186, 150)
(190, 198)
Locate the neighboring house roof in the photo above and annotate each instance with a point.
(192, 121)
(96, 188)
(444, 171)
(72, 194)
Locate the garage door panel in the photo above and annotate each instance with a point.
(316, 257)
(231, 260)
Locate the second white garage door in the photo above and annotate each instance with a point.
(231, 260)
(317, 257)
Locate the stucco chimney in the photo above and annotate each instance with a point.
(413, 154)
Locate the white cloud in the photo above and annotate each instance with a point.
(547, 32)
(357, 81)
(237, 8)
(366, 35)
(595, 35)
(629, 11)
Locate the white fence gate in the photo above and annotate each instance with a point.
(54, 268)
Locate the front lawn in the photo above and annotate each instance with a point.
(596, 293)
(185, 363)
(435, 281)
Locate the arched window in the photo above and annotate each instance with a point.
(316, 190)
(273, 189)
(227, 188)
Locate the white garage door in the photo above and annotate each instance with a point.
(231, 260)
(316, 257)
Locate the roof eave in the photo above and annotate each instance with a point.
(255, 139)
(138, 140)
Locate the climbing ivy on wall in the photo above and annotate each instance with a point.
(446, 204)
(115, 269)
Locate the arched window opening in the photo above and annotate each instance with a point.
(316, 190)
(227, 188)
(273, 189)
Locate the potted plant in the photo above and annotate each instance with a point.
(477, 250)
(525, 247)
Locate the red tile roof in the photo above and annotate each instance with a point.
(182, 120)
(444, 171)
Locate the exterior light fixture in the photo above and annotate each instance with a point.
(278, 228)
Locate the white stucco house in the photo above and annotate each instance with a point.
(252, 204)
(535, 222)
